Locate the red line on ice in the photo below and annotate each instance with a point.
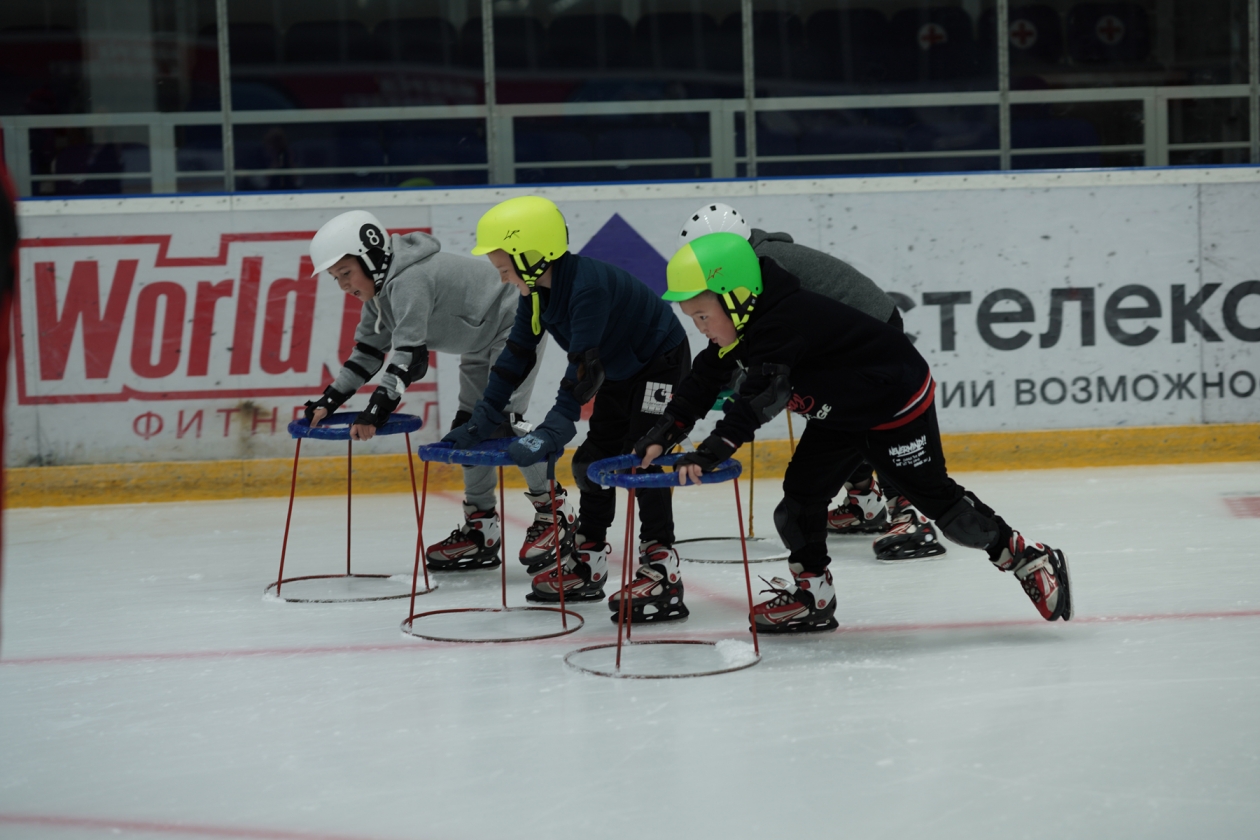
(649, 633)
(168, 828)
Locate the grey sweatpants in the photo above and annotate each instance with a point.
(474, 375)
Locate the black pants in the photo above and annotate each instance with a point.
(624, 412)
(909, 455)
(864, 471)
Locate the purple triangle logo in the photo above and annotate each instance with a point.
(618, 243)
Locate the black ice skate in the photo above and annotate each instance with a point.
(1043, 572)
(807, 605)
(475, 545)
(656, 593)
(585, 570)
(861, 512)
(911, 537)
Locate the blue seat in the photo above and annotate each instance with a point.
(548, 146)
(590, 42)
(418, 40)
(328, 42)
(253, 44)
(643, 142)
(436, 145)
(1108, 33)
(93, 159)
(849, 45)
(520, 43)
(1036, 37)
(933, 44)
(1052, 133)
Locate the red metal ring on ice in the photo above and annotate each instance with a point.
(692, 556)
(618, 673)
(408, 625)
(276, 584)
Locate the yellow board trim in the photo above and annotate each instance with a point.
(173, 481)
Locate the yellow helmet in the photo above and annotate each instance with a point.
(530, 228)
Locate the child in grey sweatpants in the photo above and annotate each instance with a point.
(419, 299)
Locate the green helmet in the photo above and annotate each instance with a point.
(715, 262)
(722, 263)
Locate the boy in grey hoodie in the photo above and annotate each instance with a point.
(419, 299)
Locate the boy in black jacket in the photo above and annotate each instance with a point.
(866, 393)
(627, 351)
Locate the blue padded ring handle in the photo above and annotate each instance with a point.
(488, 453)
(337, 426)
(610, 472)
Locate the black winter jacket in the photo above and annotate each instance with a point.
(846, 369)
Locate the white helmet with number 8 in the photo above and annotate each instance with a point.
(356, 234)
(713, 218)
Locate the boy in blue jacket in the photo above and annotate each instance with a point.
(627, 351)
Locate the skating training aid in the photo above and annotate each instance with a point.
(621, 472)
(489, 453)
(337, 427)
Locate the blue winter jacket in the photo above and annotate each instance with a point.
(590, 304)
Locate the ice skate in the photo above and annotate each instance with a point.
(475, 545)
(656, 593)
(1043, 572)
(910, 537)
(585, 570)
(807, 605)
(539, 549)
(862, 512)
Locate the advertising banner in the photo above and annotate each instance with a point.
(155, 329)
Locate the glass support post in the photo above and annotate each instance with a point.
(225, 97)
(1253, 74)
(750, 89)
(1003, 36)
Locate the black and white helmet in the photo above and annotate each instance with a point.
(713, 218)
(356, 233)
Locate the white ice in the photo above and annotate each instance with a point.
(148, 689)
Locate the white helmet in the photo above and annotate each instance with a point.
(357, 234)
(713, 218)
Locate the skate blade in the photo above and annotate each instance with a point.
(862, 529)
(678, 613)
(569, 597)
(799, 627)
(462, 566)
(537, 566)
(1066, 588)
(936, 551)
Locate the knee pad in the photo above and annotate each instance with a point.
(801, 523)
(970, 522)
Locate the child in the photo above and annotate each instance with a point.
(418, 299)
(866, 393)
(627, 351)
(867, 508)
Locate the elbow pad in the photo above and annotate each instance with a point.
(529, 358)
(774, 398)
(414, 371)
(590, 375)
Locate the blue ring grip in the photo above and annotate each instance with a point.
(488, 453)
(337, 426)
(608, 472)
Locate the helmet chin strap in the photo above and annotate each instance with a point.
(530, 274)
(375, 264)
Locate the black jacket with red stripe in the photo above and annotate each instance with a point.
(846, 369)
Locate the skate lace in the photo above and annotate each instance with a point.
(782, 594)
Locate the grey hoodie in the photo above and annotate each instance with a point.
(824, 274)
(430, 300)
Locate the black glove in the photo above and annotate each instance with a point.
(379, 408)
(666, 434)
(330, 402)
(709, 454)
(461, 417)
(483, 424)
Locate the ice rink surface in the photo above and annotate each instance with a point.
(147, 689)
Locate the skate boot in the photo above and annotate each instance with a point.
(585, 570)
(911, 536)
(473, 546)
(807, 605)
(539, 550)
(656, 593)
(1043, 572)
(863, 512)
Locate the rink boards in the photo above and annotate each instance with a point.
(188, 329)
